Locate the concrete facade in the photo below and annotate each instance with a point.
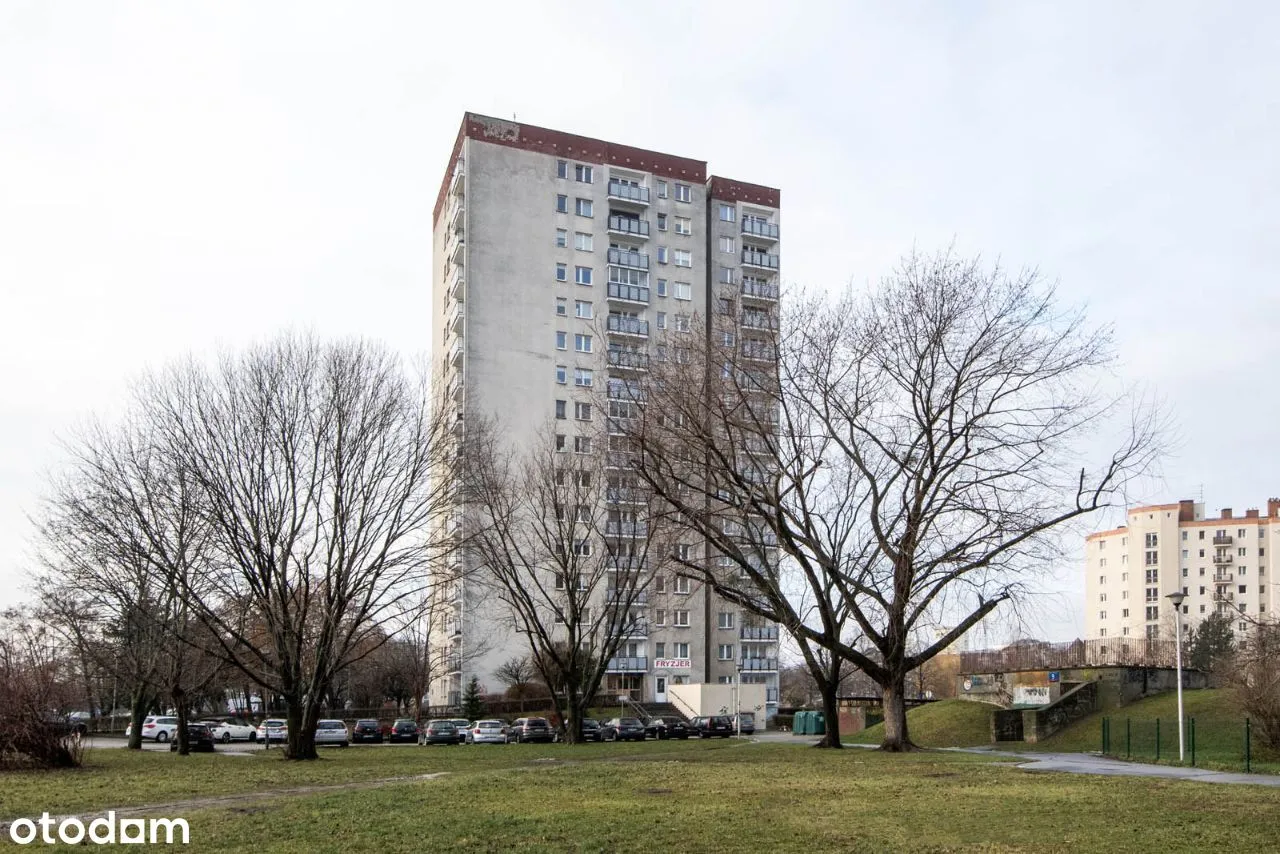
(540, 234)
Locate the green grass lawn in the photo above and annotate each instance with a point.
(684, 797)
(946, 723)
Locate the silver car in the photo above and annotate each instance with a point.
(487, 732)
(332, 732)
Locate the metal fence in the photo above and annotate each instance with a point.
(1156, 740)
(1099, 652)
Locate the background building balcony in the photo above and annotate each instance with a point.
(632, 360)
(1222, 540)
(628, 293)
(629, 226)
(620, 325)
(626, 529)
(758, 633)
(757, 664)
(628, 193)
(1222, 558)
(763, 291)
(634, 664)
(628, 258)
(764, 260)
(763, 230)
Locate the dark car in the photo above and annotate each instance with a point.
(709, 727)
(366, 731)
(591, 729)
(440, 732)
(666, 726)
(403, 731)
(199, 739)
(747, 723)
(623, 729)
(530, 730)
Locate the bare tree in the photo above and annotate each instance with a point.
(916, 450)
(516, 675)
(568, 552)
(35, 682)
(1253, 675)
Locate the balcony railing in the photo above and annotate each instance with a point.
(628, 293)
(633, 359)
(625, 564)
(634, 664)
(758, 633)
(629, 629)
(758, 320)
(625, 495)
(628, 258)
(626, 529)
(624, 596)
(457, 183)
(760, 290)
(628, 192)
(768, 260)
(757, 664)
(1223, 578)
(625, 390)
(619, 460)
(1222, 540)
(1222, 558)
(760, 228)
(629, 225)
(627, 325)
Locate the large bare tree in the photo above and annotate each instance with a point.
(568, 548)
(912, 454)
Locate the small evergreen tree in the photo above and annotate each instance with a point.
(472, 701)
(1212, 642)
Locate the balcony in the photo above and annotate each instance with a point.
(630, 629)
(628, 360)
(628, 193)
(456, 316)
(759, 320)
(1223, 578)
(760, 291)
(455, 353)
(458, 424)
(632, 597)
(453, 665)
(1226, 596)
(629, 226)
(763, 260)
(757, 664)
(625, 495)
(619, 426)
(625, 564)
(457, 217)
(619, 460)
(1222, 540)
(1222, 558)
(758, 352)
(628, 258)
(626, 391)
(455, 388)
(628, 665)
(759, 228)
(626, 529)
(456, 289)
(628, 293)
(758, 633)
(455, 248)
(617, 324)
(457, 184)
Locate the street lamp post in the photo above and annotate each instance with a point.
(1177, 598)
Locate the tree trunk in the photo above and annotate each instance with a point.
(830, 711)
(893, 695)
(301, 717)
(137, 713)
(180, 706)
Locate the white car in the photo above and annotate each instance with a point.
(332, 732)
(273, 729)
(225, 731)
(487, 732)
(160, 729)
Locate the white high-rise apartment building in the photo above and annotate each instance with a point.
(1225, 563)
(539, 236)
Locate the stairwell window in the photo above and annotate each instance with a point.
(725, 652)
(583, 377)
(582, 173)
(681, 619)
(724, 620)
(562, 238)
(562, 203)
(683, 193)
(583, 207)
(682, 257)
(683, 290)
(681, 649)
(684, 225)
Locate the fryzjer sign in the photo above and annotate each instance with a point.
(672, 663)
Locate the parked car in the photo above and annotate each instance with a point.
(462, 725)
(529, 730)
(714, 725)
(331, 731)
(666, 726)
(366, 730)
(440, 732)
(404, 731)
(622, 729)
(227, 731)
(273, 729)
(160, 729)
(199, 738)
(747, 723)
(486, 732)
(591, 730)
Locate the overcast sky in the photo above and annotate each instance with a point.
(182, 176)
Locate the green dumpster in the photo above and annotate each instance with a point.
(799, 722)
(817, 724)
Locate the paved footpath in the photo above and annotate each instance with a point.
(1086, 763)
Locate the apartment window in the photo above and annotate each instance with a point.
(1124, 613)
(661, 321)
(662, 189)
(727, 339)
(662, 222)
(1184, 536)
(659, 650)
(582, 173)
(662, 254)
(582, 343)
(1241, 533)
(561, 407)
(681, 649)
(562, 374)
(726, 275)
(1102, 562)
(682, 551)
(562, 203)
(1102, 615)
(681, 320)
(561, 442)
(1124, 594)
(582, 444)
(1152, 541)
(1243, 588)
(562, 238)
(1153, 594)
(728, 213)
(582, 308)
(582, 377)
(1102, 633)
(1244, 626)
(562, 307)
(562, 340)
(728, 244)
(1202, 553)
(1201, 609)
(684, 290)
(682, 584)
(582, 275)
(662, 287)
(562, 169)
(724, 620)
(659, 584)
(1202, 572)
(660, 617)
(1241, 552)
(1186, 553)
(583, 242)
(582, 548)
(680, 618)
(583, 207)
(1102, 597)
(582, 411)
(682, 257)
(1153, 558)
(724, 306)
(1153, 612)
(683, 193)
(725, 652)
(684, 225)
(562, 272)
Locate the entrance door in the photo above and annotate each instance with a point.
(659, 689)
